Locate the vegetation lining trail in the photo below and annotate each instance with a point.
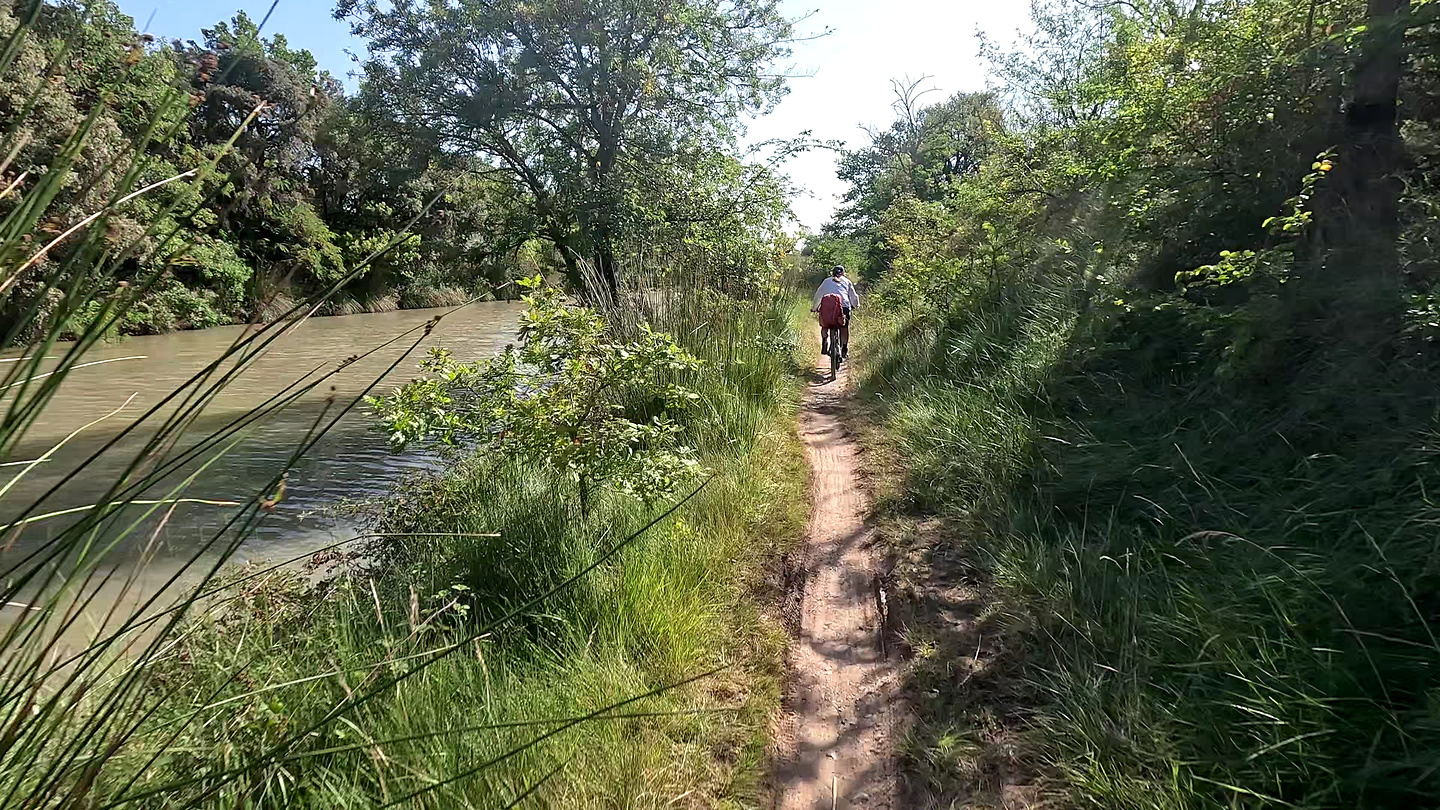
(1151, 330)
(838, 735)
(149, 187)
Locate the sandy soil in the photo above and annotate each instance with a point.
(837, 736)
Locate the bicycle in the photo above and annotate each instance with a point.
(830, 345)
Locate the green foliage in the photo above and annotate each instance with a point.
(713, 219)
(1274, 260)
(826, 251)
(399, 254)
(573, 102)
(310, 189)
(389, 680)
(218, 265)
(1149, 362)
(599, 411)
(644, 172)
(924, 153)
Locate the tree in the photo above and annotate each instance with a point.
(922, 156)
(266, 190)
(562, 96)
(712, 217)
(368, 183)
(1051, 79)
(923, 153)
(1371, 163)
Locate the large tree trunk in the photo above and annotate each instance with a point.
(1357, 286)
(606, 263)
(1346, 305)
(1368, 176)
(563, 245)
(603, 234)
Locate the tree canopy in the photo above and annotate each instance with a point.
(487, 141)
(924, 152)
(577, 105)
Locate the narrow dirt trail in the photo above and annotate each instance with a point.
(837, 736)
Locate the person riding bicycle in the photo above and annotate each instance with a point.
(838, 284)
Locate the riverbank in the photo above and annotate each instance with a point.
(646, 677)
(160, 314)
(352, 461)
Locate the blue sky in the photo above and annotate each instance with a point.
(842, 82)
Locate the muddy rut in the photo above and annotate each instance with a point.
(837, 735)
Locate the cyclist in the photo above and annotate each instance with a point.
(838, 284)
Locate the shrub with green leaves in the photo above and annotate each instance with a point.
(570, 396)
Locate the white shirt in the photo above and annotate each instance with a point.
(838, 286)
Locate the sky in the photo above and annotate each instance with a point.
(841, 80)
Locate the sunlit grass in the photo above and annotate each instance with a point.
(620, 660)
(1211, 598)
(679, 601)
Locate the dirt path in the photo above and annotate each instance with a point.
(837, 736)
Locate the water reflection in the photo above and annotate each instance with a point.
(351, 462)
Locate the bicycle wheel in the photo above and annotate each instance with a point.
(834, 353)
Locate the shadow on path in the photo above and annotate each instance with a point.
(838, 736)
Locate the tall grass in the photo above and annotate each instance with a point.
(463, 549)
(78, 676)
(1218, 592)
(494, 647)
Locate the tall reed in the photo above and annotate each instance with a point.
(82, 681)
(488, 647)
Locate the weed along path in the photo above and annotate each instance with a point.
(837, 735)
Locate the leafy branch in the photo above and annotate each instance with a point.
(570, 397)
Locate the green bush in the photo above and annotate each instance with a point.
(1215, 586)
(216, 264)
(1158, 383)
(566, 397)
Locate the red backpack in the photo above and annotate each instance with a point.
(832, 311)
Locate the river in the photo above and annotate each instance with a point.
(351, 463)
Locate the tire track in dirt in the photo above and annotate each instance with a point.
(838, 733)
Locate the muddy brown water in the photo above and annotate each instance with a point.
(353, 462)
